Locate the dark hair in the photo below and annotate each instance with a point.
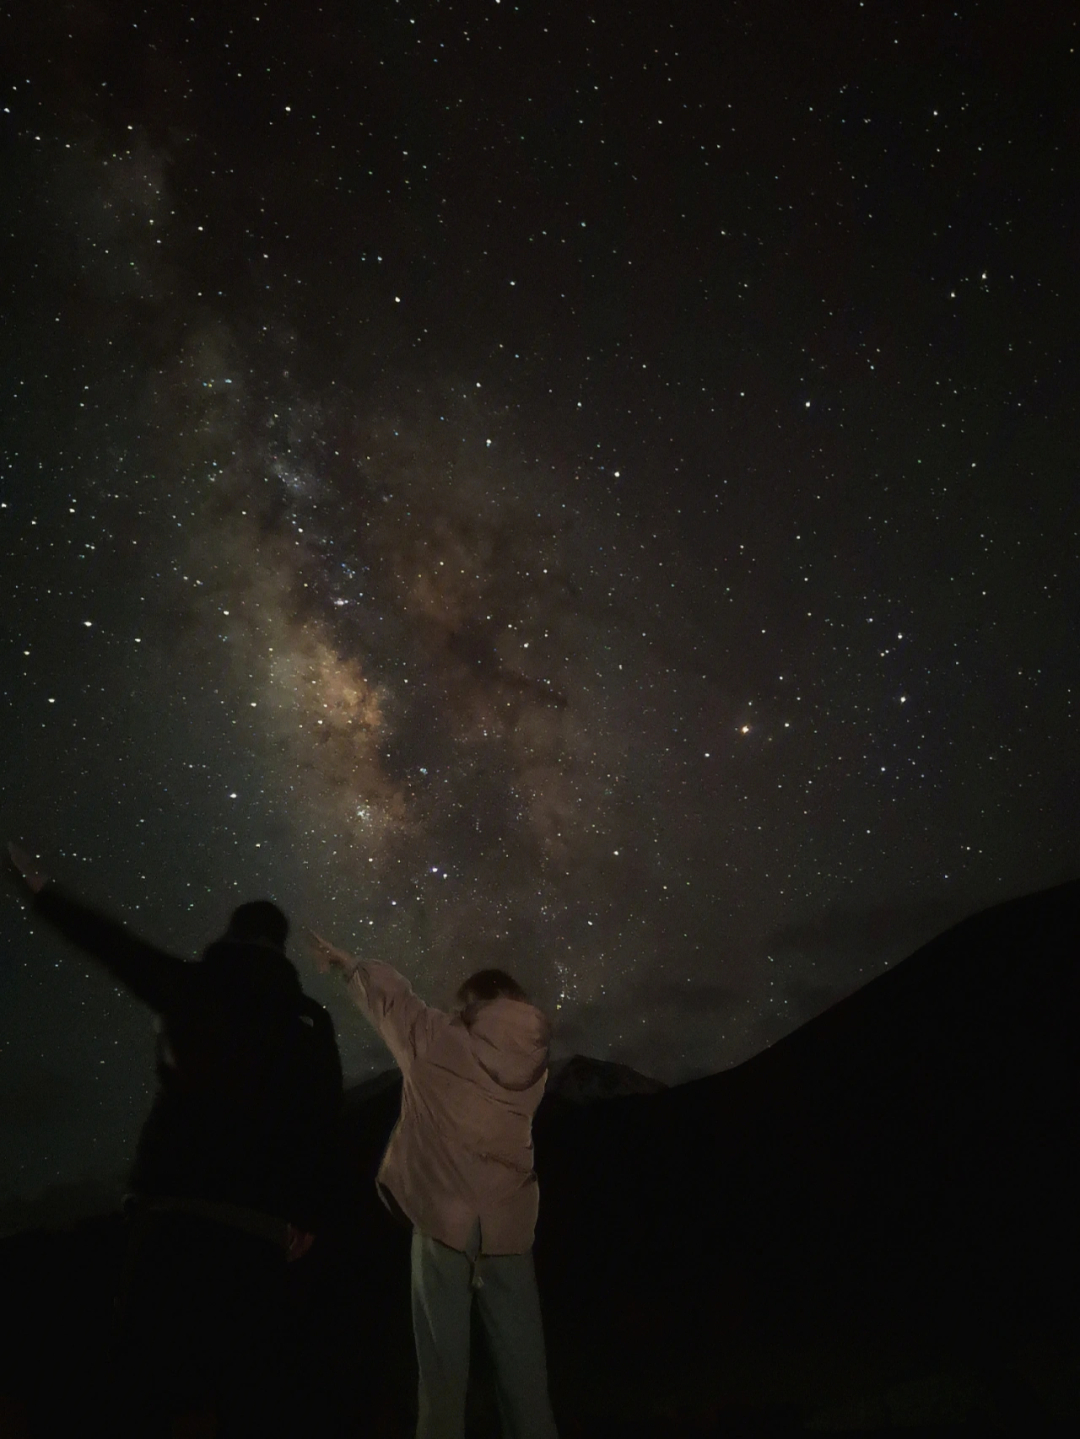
(489, 984)
(260, 922)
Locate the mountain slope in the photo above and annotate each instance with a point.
(900, 1168)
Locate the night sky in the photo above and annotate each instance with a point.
(588, 489)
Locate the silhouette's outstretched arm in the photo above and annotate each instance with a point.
(152, 975)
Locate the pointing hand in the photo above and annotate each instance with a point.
(327, 956)
(34, 878)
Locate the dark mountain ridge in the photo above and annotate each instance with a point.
(901, 1166)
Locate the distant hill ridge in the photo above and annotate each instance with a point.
(577, 1080)
(581, 1080)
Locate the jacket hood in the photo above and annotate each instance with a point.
(510, 1040)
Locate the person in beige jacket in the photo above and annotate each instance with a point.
(459, 1167)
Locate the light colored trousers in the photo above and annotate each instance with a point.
(444, 1284)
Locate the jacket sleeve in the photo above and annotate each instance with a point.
(390, 1003)
(152, 975)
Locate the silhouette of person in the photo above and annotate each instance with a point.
(232, 1166)
(459, 1168)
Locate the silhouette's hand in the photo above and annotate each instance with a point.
(327, 956)
(299, 1244)
(34, 878)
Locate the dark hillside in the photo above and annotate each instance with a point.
(898, 1174)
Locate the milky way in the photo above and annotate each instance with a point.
(521, 488)
(433, 654)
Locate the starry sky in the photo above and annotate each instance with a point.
(590, 489)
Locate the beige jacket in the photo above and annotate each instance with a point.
(461, 1151)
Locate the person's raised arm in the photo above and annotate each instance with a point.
(150, 973)
(382, 994)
